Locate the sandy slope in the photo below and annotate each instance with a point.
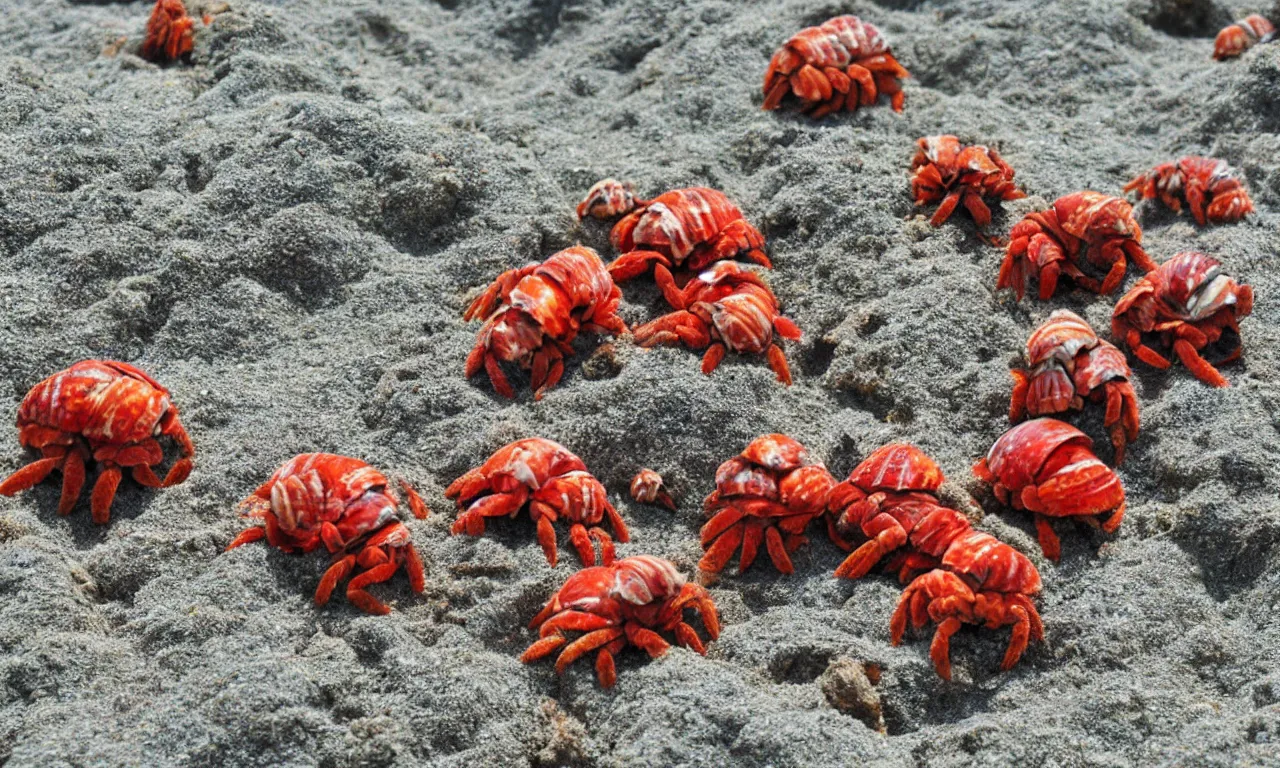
(285, 231)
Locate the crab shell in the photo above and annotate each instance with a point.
(530, 462)
(743, 320)
(843, 63)
(553, 483)
(772, 488)
(1237, 38)
(890, 500)
(675, 222)
(1030, 458)
(169, 32)
(1192, 288)
(1094, 217)
(534, 313)
(898, 467)
(1196, 181)
(346, 505)
(647, 487)
(945, 170)
(1060, 338)
(1188, 303)
(607, 199)
(951, 599)
(990, 564)
(622, 603)
(103, 411)
(313, 489)
(628, 587)
(778, 468)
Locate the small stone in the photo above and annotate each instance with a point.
(850, 687)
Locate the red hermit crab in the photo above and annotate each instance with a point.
(621, 603)
(534, 313)
(169, 32)
(1083, 227)
(684, 229)
(101, 411)
(647, 488)
(350, 508)
(1047, 467)
(1237, 38)
(842, 64)
(944, 169)
(1070, 364)
(553, 482)
(981, 581)
(1206, 184)
(891, 500)
(725, 308)
(1187, 304)
(768, 494)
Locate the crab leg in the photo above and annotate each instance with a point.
(718, 554)
(778, 551)
(945, 210)
(336, 573)
(634, 264)
(1017, 639)
(542, 648)
(606, 670)
(573, 621)
(777, 361)
(940, 648)
(104, 492)
(494, 505)
(247, 536)
(586, 644)
(72, 482)
(752, 536)
(362, 599)
(547, 540)
(29, 476)
(686, 636)
(721, 522)
(887, 535)
(607, 552)
(696, 597)
(1198, 366)
(646, 639)
(1049, 541)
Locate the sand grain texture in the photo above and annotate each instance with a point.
(285, 231)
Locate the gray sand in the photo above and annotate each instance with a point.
(285, 230)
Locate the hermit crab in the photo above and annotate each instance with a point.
(1081, 228)
(169, 32)
(945, 170)
(891, 500)
(647, 488)
(1069, 365)
(348, 507)
(553, 482)
(98, 411)
(617, 604)
(842, 64)
(727, 307)
(981, 581)
(684, 229)
(1186, 305)
(1204, 183)
(1237, 38)
(1047, 467)
(533, 314)
(768, 494)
